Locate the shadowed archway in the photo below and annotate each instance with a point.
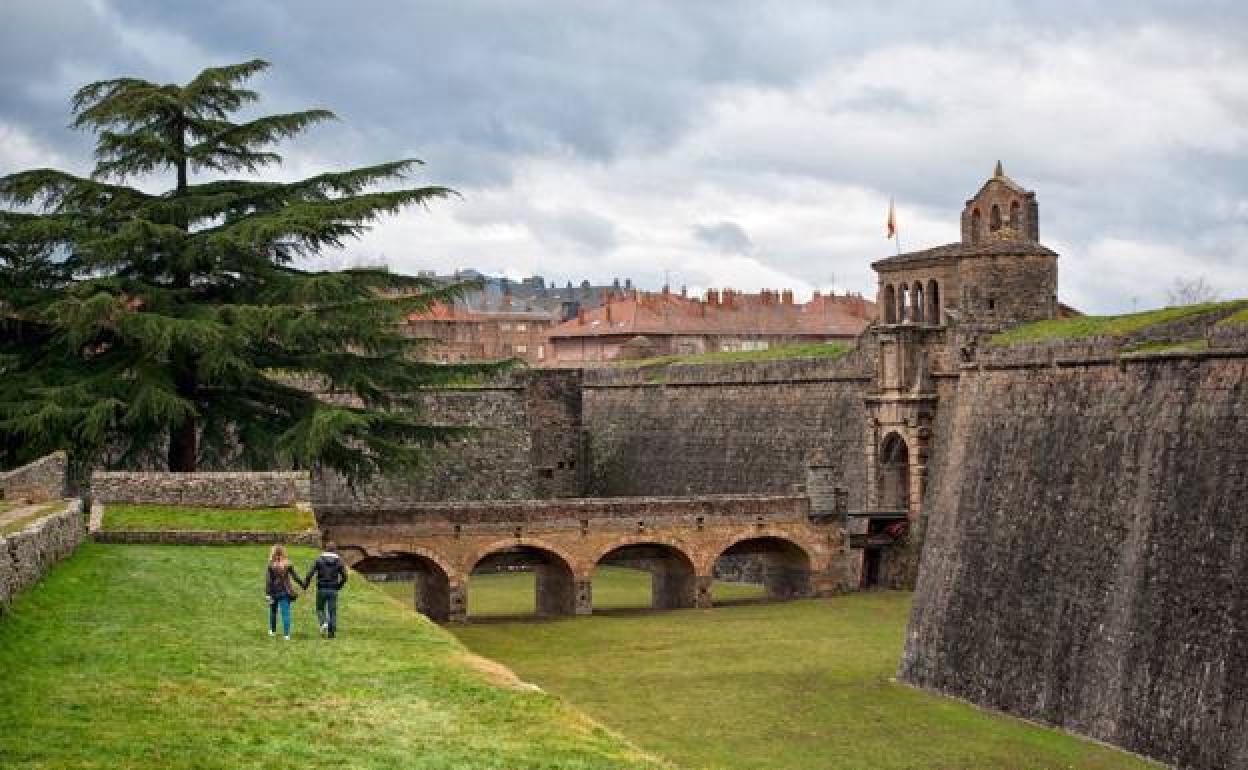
(673, 580)
(431, 586)
(554, 581)
(781, 566)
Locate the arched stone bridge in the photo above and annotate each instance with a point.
(678, 540)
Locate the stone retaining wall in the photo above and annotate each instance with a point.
(40, 481)
(210, 490)
(26, 555)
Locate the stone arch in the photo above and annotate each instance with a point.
(903, 303)
(1016, 217)
(933, 302)
(893, 482)
(556, 581)
(994, 218)
(673, 574)
(432, 595)
(888, 301)
(916, 300)
(780, 563)
(976, 225)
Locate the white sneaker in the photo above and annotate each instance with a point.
(324, 629)
(287, 638)
(272, 633)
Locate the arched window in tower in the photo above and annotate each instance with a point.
(994, 218)
(893, 474)
(975, 226)
(1016, 217)
(903, 304)
(888, 301)
(916, 300)
(933, 302)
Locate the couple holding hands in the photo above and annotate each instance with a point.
(279, 588)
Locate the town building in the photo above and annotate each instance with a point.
(632, 325)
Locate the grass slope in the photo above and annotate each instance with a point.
(168, 517)
(156, 657)
(21, 522)
(1108, 325)
(515, 593)
(796, 685)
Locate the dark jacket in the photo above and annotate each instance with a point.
(277, 584)
(331, 573)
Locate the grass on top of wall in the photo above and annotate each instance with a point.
(1109, 325)
(173, 517)
(805, 684)
(811, 350)
(25, 520)
(1236, 318)
(158, 657)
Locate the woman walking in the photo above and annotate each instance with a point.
(279, 588)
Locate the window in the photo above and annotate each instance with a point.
(541, 351)
(994, 218)
(505, 327)
(975, 226)
(889, 302)
(522, 348)
(520, 327)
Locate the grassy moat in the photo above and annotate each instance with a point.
(156, 657)
(803, 684)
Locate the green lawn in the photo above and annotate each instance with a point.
(514, 593)
(168, 517)
(157, 657)
(1109, 325)
(803, 684)
(21, 522)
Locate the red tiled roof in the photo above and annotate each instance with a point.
(727, 313)
(441, 312)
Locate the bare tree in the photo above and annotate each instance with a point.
(1191, 291)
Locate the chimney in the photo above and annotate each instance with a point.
(684, 291)
(580, 316)
(787, 297)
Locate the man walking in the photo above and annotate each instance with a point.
(331, 576)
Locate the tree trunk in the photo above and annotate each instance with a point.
(183, 436)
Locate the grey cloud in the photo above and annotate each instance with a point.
(483, 90)
(727, 237)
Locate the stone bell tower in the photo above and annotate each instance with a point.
(936, 306)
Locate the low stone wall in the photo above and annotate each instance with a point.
(311, 539)
(25, 556)
(40, 481)
(212, 490)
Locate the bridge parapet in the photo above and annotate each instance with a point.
(564, 513)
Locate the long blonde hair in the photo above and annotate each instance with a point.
(277, 558)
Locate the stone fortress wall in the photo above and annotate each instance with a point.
(1086, 556)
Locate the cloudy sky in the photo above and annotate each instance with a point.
(749, 144)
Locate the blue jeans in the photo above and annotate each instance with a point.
(327, 610)
(284, 604)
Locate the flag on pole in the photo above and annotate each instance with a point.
(892, 219)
